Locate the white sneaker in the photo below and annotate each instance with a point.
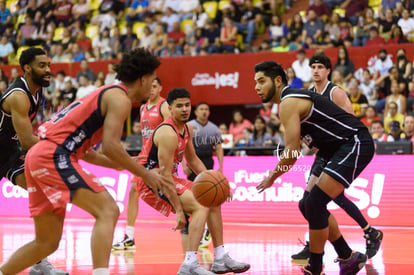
(46, 268)
(227, 264)
(193, 269)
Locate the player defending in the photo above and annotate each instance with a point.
(55, 178)
(19, 105)
(170, 142)
(339, 138)
(152, 114)
(321, 67)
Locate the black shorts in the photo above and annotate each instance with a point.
(351, 158)
(317, 167)
(13, 167)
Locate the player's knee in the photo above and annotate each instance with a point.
(110, 212)
(315, 209)
(302, 204)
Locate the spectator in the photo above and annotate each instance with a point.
(344, 64)
(392, 115)
(283, 46)
(146, 39)
(3, 86)
(112, 6)
(313, 27)
(237, 126)
(336, 77)
(383, 64)
(367, 87)
(187, 8)
(40, 35)
(374, 38)
(409, 128)
(67, 41)
(24, 35)
(68, 94)
(139, 9)
(396, 131)
(86, 71)
(353, 9)
(77, 55)
(358, 100)
(365, 23)
(260, 137)
(345, 30)
(378, 132)
(6, 49)
(169, 18)
(228, 36)
(84, 87)
(370, 116)
(5, 16)
(159, 40)
(81, 11)
(46, 10)
(14, 74)
(295, 27)
(396, 97)
(406, 23)
(177, 35)
(293, 81)
(404, 68)
(103, 43)
(60, 56)
(277, 30)
(4, 77)
(84, 42)
(397, 36)
(322, 10)
(332, 27)
(134, 140)
(212, 33)
(384, 85)
(301, 68)
(127, 41)
(63, 13)
(224, 130)
(110, 76)
(386, 23)
(171, 50)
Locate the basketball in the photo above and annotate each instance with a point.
(211, 188)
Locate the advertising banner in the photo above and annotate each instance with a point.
(384, 193)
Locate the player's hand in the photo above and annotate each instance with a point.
(266, 183)
(229, 197)
(156, 181)
(180, 221)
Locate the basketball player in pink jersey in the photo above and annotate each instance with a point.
(169, 144)
(55, 178)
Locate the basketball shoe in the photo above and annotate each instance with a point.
(126, 243)
(193, 269)
(226, 264)
(373, 242)
(206, 239)
(304, 254)
(353, 264)
(45, 268)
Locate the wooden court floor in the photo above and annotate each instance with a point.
(266, 247)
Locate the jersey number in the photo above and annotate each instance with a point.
(65, 111)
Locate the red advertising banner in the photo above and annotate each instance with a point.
(228, 79)
(384, 193)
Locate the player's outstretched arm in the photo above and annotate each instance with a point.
(166, 141)
(190, 155)
(18, 106)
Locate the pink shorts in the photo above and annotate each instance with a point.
(161, 205)
(53, 176)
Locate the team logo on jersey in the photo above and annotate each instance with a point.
(146, 132)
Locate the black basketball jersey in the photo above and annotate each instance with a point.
(9, 142)
(327, 126)
(327, 91)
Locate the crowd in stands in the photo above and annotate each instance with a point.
(90, 30)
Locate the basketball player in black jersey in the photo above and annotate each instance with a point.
(321, 67)
(338, 137)
(18, 107)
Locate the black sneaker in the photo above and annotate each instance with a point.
(373, 242)
(125, 244)
(307, 271)
(353, 264)
(303, 254)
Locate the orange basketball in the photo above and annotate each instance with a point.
(211, 188)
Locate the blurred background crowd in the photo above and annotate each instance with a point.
(90, 30)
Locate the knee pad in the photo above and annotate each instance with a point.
(302, 204)
(315, 208)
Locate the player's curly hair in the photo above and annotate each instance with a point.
(29, 55)
(136, 64)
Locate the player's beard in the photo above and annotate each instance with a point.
(270, 94)
(38, 79)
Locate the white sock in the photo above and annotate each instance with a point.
(130, 231)
(1, 273)
(190, 257)
(101, 271)
(219, 252)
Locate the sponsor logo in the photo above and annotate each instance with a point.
(217, 80)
